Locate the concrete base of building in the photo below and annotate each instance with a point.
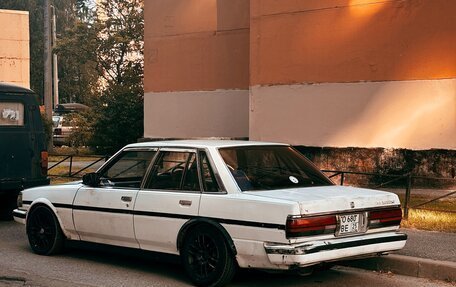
(429, 164)
(417, 115)
(197, 114)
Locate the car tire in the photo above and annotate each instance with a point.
(207, 258)
(44, 233)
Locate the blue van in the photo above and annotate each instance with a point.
(23, 151)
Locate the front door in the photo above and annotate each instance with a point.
(104, 214)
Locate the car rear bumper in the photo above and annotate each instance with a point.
(19, 215)
(314, 252)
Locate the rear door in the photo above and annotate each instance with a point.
(16, 145)
(171, 196)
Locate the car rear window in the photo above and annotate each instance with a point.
(11, 114)
(271, 167)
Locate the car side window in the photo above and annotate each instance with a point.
(128, 169)
(209, 180)
(175, 171)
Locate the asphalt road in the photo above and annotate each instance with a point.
(430, 244)
(99, 267)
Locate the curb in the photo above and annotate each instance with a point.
(409, 266)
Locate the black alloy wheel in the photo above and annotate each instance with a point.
(43, 231)
(207, 258)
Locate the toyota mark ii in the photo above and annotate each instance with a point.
(219, 205)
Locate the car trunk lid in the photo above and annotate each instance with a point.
(328, 199)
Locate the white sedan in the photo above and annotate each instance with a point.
(218, 205)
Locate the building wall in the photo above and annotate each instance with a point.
(14, 47)
(358, 73)
(196, 68)
(334, 73)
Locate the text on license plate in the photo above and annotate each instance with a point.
(350, 223)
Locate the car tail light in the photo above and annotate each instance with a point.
(58, 131)
(386, 217)
(305, 226)
(44, 162)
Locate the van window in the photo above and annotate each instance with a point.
(11, 114)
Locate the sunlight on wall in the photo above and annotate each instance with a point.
(405, 114)
(399, 114)
(366, 8)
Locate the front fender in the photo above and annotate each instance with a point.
(47, 203)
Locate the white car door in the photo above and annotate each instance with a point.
(170, 197)
(104, 214)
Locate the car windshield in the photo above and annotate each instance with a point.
(271, 167)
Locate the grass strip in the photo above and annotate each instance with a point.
(431, 220)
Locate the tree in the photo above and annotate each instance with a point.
(121, 66)
(68, 12)
(101, 64)
(77, 51)
(117, 39)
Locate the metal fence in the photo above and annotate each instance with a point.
(75, 172)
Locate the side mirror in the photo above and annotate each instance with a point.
(91, 179)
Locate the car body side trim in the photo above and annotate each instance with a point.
(169, 215)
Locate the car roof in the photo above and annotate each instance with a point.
(11, 88)
(202, 143)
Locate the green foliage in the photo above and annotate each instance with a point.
(100, 64)
(118, 119)
(82, 130)
(110, 55)
(47, 126)
(77, 56)
(67, 13)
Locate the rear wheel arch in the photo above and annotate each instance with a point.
(211, 224)
(207, 253)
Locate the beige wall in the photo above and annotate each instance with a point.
(362, 73)
(14, 47)
(196, 68)
(196, 45)
(196, 114)
(399, 114)
(385, 70)
(197, 62)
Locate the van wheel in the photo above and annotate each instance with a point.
(207, 258)
(44, 233)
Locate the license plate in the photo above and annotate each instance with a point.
(350, 224)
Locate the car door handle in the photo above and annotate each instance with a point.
(126, 198)
(185, 202)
